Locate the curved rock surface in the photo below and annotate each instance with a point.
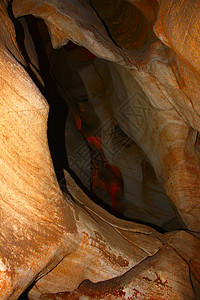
(62, 245)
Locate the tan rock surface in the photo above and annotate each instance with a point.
(56, 241)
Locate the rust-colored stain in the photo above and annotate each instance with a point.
(136, 295)
(147, 278)
(86, 54)
(159, 281)
(119, 293)
(109, 290)
(5, 277)
(105, 176)
(102, 292)
(101, 245)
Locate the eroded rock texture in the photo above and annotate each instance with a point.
(133, 101)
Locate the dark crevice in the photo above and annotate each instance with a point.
(195, 234)
(189, 269)
(190, 277)
(197, 142)
(57, 108)
(116, 282)
(19, 33)
(24, 295)
(184, 259)
(105, 25)
(20, 41)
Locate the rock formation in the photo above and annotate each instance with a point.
(127, 76)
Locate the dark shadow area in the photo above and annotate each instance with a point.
(57, 107)
(24, 295)
(104, 23)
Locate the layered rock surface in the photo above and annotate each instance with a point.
(64, 245)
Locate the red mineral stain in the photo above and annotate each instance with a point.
(119, 293)
(86, 54)
(106, 177)
(159, 281)
(106, 251)
(147, 278)
(78, 121)
(95, 141)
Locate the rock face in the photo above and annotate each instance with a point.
(132, 93)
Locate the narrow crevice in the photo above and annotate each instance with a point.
(20, 42)
(190, 277)
(195, 234)
(24, 295)
(57, 108)
(116, 281)
(104, 24)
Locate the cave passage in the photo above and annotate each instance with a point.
(76, 132)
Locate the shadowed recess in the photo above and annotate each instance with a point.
(127, 25)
